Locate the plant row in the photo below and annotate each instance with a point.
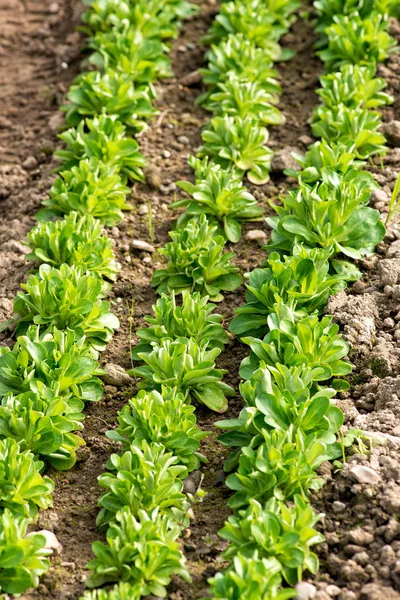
(143, 502)
(62, 318)
(290, 423)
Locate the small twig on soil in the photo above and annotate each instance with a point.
(161, 117)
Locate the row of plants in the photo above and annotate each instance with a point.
(62, 318)
(143, 508)
(290, 423)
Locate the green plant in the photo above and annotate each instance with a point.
(161, 417)
(104, 138)
(256, 21)
(54, 359)
(43, 423)
(394, 202)
(238, 97)
(328, 9)
(116, 94)
(66, 298)
(356, 126)
(75, 240)
(301, 280)
(310, 342)
(252, 578)
(193, 319)
(22, 488)
(189, 367)
(353, 40)
(144, 477)
(233, 141)
(239, 56)
(23, 557)
(90, 188)
(196, 262)
(277, 530)
(354, 86)
(123, 591)
(282, 466)
(140, 550)
(333, 214)
(126, 51)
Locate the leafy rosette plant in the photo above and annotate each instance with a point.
(276, 399)
(356, 126)
(197, 262)
(123, 591)
(194, 318)
(104, 138)
(323, 158)
(353, 40)
(301, 280)
(239, 97)
(116, 94)
(354, 86)
(328, 9)
(282, 466)
(252, 578)
(164, 418)
(333, 214)
(233, 141)
(277, 530)
(310, 342)
(44, 424)
(23, 490)
(58, 360)
(90, 188)
(144, 477)
(66, 298)
(141, 551)
(189, 367)
(23, 557)
(126, 51)
(221, 196)
(256, 21)
(75, 240)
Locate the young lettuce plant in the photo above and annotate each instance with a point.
(123, 591)
(268, 531)
(115, 94)
(252, 578)
(196, 262)
(66, 298)
(75, 240)
(353, 40)
(221, 196)
(43, 423)
(328, 9)
(127, 52)
(23, 556)
(104, 138)
(233, 141)
(189, 367)
(90, 188)
(141, 551)
(144, 477)
(164, 418)
(60, 361)
(301, 280)
(333, 214)
(193, 319)
(23, 490)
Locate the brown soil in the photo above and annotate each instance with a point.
(39, 56)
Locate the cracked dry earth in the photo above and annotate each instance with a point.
(40, 54)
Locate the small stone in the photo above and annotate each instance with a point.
(365, 475)
(116, 375)
(142, 245)
(146, 259)
(361, 558)
(30, 163)
(191, 79)
(283, 159)
(143, 209)
(396, 430)
(182, 139)
(332, 590)
(360, 537)
(54, 8)
(338, 507)
(165, 153)
(379, 196)
(115, 232)
(305, 591)
(56, 121)
(392, 132)
(52, 542)
(257, 235)
(306, 140)
(388, 323)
